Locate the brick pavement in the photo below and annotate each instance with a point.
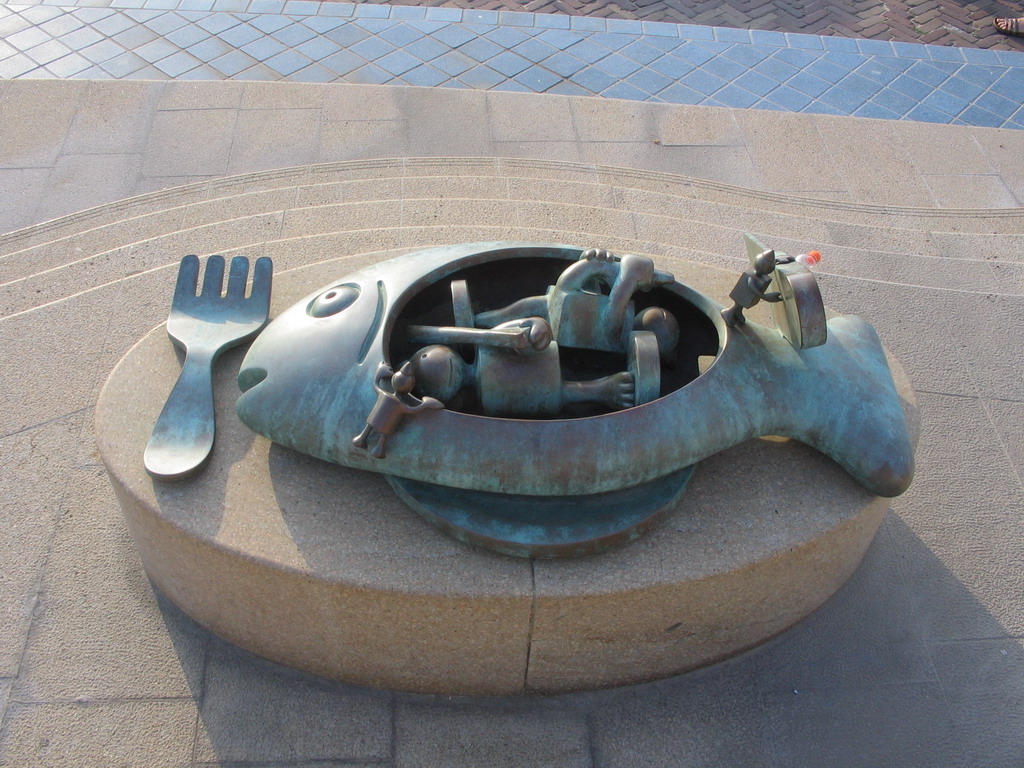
(938, 22)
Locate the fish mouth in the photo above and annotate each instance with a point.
(250, 377)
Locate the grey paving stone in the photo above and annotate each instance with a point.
(708, 718)
(722, 164)
(905, 725)
(1008, 416)
(874, 165)
(172, 148)
(232, 63)
(314, 73)
(166, 23)
(920, 342)
(982, 682)
(281, 97)
(369, 75)
(177, 64)
(790, 155)
(959, 553)
(254, 710)
(38, 14)
(36, 460)
(241, 35)
(454, 63)
(424, 75)
(124, 64)
(263, 48)
(273, 139)
(47, 52)
(94, 586)
(514, 119)
(364, 104)
(269, 24)
(72, 65)
(156, 50)
(322, 24)
(343, 62)
(24, 191)
(175, 96)
(113, 118)
(287, 62)
(82, 181)
(397, 62)
(372, 48)
(516, 736)
(202, 72)
(210, 48)
(218, 22)
(188, 35)
(29, 103)
(347, 34)
(1000, 148)
(318, 48)
(971, 191)
(5, 690)
(595, 120)
(16, 65)
(81, 38)
(991, 359)
(28, 38)
(481, 77)
(447, 123)
(257, 72)
(13, 24)
(80, 735)
(134, 37)
(862, 635)
(294, 34)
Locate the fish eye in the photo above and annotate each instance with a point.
(333, 300)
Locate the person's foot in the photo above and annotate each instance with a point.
(617, 390)
(1010, 26)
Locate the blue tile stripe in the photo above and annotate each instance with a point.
(539, 53)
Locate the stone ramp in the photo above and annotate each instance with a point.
(917, 661)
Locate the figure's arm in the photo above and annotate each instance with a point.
(428, 402)
(772, 297)
(381, 376)
(531, 306)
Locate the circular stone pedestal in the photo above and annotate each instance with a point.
(322, 568)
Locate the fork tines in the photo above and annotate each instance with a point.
(213, 278)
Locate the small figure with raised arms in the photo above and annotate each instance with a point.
(750, 288)
(394, 401)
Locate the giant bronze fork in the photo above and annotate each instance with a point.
(204, 326)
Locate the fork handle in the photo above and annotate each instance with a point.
(184, 431)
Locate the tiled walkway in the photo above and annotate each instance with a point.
(540, 53)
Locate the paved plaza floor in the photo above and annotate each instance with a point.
(114, 163)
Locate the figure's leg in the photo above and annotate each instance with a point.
(615, 391)
(531, 306)
(733, 316)
(378, 451)
(359, 441)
